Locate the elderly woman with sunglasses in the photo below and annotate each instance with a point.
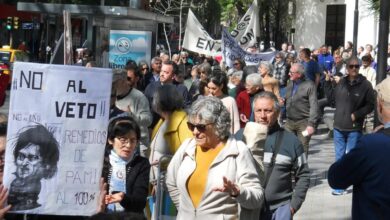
(212, 175)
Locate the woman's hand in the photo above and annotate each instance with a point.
(229, 187)
(114, 198)
(3, 197)
(102, 196)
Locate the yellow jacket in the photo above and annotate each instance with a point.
(177, 130)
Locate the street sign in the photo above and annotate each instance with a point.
(27, 26)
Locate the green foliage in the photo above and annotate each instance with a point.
(374, 5)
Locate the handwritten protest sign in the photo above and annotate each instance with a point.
(231, 50)
(56, 135)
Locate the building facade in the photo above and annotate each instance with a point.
(331, 22)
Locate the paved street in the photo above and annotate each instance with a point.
(320, 204)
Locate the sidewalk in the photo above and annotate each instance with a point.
(320, 204)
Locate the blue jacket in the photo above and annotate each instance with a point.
(367, 168)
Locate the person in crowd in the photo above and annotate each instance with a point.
(135, 104)
(339, 65)
(284, 49)
(192, 83)
(369, 50)
(154, 74)
(353, 97)
(125, 171)
(311, 68)
(176, 58)
(365, 167)
(167, 76)
(238, 64)
(360, 52)
(213, 175)
(205, 71)
(245, 98)
(184, 65)
(134, 75)
(283, 156)
(290, 59)
(348, 45)
(269, 83)
(367, 71)
(279, 69)
(119, 83)
(217, 86)
(236, 86)
(291, 49)
(325, 59)
(143, 68)
(164, 56)
(36, 154)
(171, 130)
(301, 106)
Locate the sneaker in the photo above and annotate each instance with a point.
(338, 192)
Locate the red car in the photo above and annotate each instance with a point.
(4, 79)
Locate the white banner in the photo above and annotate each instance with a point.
(197, 39)
(231, 50)
(57, 132)
(247, 32)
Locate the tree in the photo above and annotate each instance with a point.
(169, 8)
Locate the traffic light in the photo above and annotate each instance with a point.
(16, 23)
(9, 23)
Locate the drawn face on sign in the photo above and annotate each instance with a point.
(29, 161)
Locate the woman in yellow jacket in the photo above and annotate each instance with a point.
(171, 131)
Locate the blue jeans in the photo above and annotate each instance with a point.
(281, 213)
(344, 141)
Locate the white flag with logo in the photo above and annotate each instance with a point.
(247, 32)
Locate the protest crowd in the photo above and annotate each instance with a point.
(198, 139)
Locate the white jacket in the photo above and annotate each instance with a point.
(235, 162)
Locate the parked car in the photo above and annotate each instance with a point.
(8, 56)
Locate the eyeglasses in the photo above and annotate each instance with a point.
(293, 72)
(352, 66)
(124, 140)
(235, 64)
(199, 127)
(29, 157)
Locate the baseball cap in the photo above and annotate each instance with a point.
(383, 90)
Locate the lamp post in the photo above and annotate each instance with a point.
(355, 26)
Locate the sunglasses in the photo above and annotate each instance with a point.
(235, 64)
(352, 66)
(199, 127)
(144, 68)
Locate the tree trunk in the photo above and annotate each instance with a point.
(267, 25)
(167, 40)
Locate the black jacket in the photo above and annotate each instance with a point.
(355, 97)
(137, 181)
